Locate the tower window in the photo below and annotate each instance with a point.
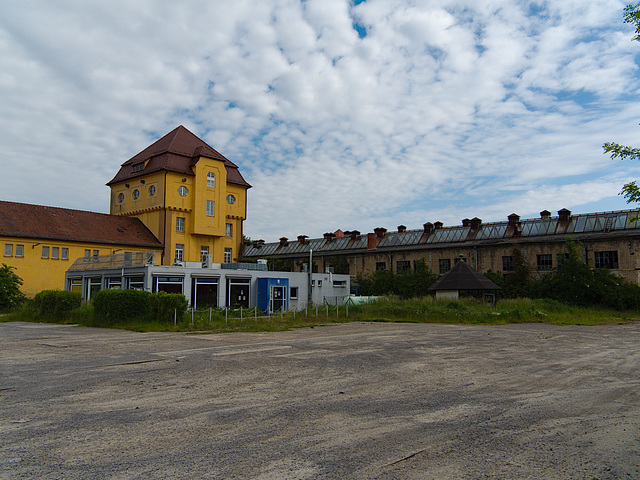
(179, 252)
(183, 191)
(179, 224)
(227, 255)
(211, 207)
(211, 179)
(229, 230)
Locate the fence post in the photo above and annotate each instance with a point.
(337, 309)
(347, 309)
(240, 314)
(226, 315)
(255, 313)
(175, 316)
(192, 315)
(209, 314)
(316, 311)
(327, 310)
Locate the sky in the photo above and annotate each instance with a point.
(341, 114)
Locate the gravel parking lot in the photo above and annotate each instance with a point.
(362, 401)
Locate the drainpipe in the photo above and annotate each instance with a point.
(310, 296)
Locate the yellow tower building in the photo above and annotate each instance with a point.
(192, 198)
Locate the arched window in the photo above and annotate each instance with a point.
(211, 180)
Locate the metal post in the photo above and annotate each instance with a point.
(209, 314)
(327, 310)
(255, 313)
(175, 316)
(191, 315)
(240, 314)
(226, 316)
(310, 296)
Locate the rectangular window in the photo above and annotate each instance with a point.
(228, 229)
(211, 207)
(204, 251)
(45, 252)
(19, 250)
(179, 252)
(227, 255)
(179, 224)
(545, 262)
(444, 265)
(87, 253)
(8, 249)
(96, 253)
(561, 258)
(294, 293)
(507, 264)
(211, 180)
(64, 253)
(76, 285)
(607, 259)
(55, 251)
(381, 265)
(403, 265)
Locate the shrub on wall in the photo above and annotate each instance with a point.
(113, 306)
(56, 304)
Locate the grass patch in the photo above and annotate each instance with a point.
(467, 311)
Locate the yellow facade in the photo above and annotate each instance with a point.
(191, 215)
(42, 263)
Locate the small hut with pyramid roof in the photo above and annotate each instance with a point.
(461, 277)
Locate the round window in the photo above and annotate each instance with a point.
(121, 198)
(231, 199)
(136, 194)
(182, 190)
(152, 190)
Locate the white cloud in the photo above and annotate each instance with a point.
(447, 108)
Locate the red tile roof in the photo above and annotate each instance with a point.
(178, 151)
(24, 220)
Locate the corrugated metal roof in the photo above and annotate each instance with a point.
(588, 223)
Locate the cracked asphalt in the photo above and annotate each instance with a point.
(360, 401)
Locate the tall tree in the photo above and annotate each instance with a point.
(631, 191)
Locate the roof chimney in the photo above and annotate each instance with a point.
(329, 237)
(284, 241)
(402, 228)
(475, 223)
(372, 241)
(380, 231)
(437, 225)
(564, 215)
(466, 222)
(258, 243)
(302, 239)
(545, 214)
(514, 218)
(354, 234)
(428, 227)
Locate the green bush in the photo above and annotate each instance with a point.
(163, 305)
(112, 306)
(56, 305)
(10, 294)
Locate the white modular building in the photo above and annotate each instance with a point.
(207, 284)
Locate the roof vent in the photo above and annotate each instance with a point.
(564, 215)
(466, 222)
(514, 218)
(402, 228)
(329, 237)
(354, 234)
(545, 214)
(437, 225)
(302, 239)
(380, 231)
(475, 223)
(428, 227)
(284, 241)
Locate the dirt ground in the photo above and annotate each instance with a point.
(360, 401)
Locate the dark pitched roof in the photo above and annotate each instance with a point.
(178, 151)
(463, 277)
(24, 220)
